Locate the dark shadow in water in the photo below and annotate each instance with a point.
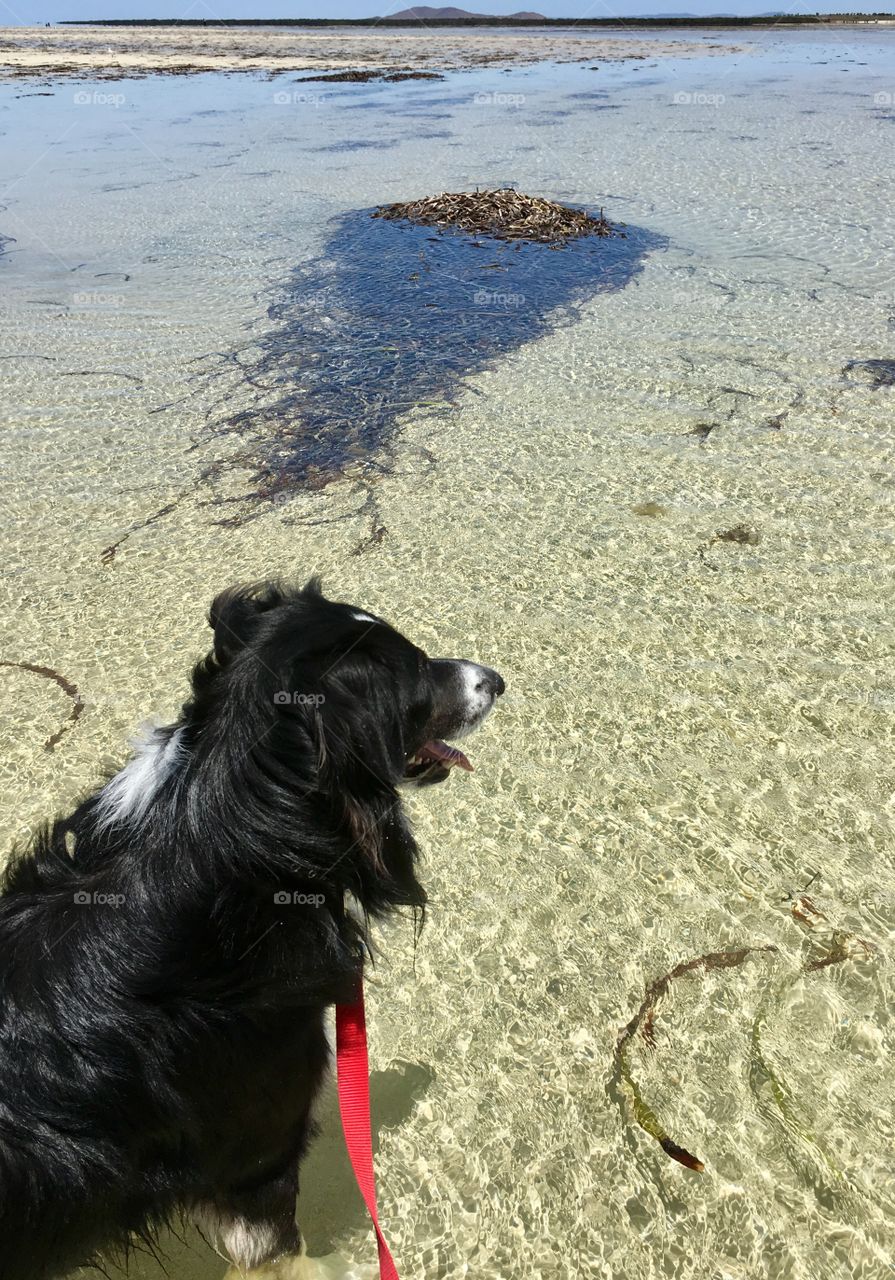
(357, 144)
(876, 373)
(329, 1205)
(427, 115)
(394, 316)
(4, 241)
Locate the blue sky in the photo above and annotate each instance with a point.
(40, 11)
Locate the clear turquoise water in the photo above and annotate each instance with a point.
(695, 727)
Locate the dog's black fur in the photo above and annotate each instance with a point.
(168, 951)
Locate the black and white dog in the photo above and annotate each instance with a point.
(167, 952)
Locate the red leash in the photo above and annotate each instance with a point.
(353, 1072)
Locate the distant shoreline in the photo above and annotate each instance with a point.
(783, 20)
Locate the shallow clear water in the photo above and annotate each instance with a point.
(695, 727)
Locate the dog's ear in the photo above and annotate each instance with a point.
(360, 760)
(234, 615)
(381, 846)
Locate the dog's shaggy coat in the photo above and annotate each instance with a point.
(167, 951)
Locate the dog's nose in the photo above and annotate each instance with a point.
(490, 682)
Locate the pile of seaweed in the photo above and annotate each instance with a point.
(504, 213)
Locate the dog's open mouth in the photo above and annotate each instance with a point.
(434, 760)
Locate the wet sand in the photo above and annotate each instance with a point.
(110, 53)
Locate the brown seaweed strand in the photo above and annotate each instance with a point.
(681, 1155)
(805, 912)
(66, 685)
(644, 1021)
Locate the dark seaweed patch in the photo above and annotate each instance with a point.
(438, 100)
(744, 535)
(391, 317)
(368, 74)
(879, 373)
(357, 144)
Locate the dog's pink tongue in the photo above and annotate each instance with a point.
(448, 756)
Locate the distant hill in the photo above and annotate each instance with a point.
(426, 13)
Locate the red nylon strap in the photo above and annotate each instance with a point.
(353, 1072)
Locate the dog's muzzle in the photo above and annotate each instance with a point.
(464, 694)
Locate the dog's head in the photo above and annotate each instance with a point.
(347, 705)
(354, 676)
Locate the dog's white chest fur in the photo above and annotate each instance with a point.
(157, 754)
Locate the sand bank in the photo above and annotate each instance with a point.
(110, 53)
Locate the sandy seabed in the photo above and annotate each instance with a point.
(695, 729)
